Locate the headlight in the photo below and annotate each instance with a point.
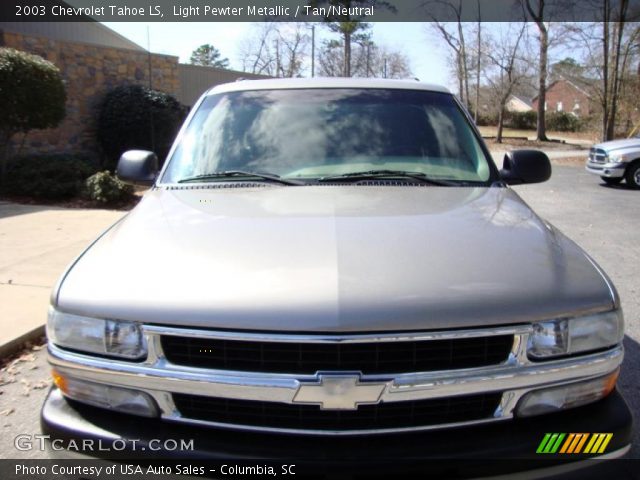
(113, 338)
(614, 159)
(568, 336)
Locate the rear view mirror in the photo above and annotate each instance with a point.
(138, 167)
(525, 166)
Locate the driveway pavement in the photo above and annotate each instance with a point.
(602, 219)
(36, 244)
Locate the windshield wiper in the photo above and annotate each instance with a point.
(239, 173)
(358, 176)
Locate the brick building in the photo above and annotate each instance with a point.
(93, 59)
(565, 96)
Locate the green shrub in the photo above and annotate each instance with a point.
(32, 92)
(106, 188)
(32, 96)
(134, 117)
(47, 176)
(487, 120)
(562, 122)
(521, 120)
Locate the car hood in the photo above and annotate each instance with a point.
(333, 259)
(619, 144)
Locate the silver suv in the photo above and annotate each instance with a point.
(615, 161)
(335, 270)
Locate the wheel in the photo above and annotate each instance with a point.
(612, 181)
(632, 175)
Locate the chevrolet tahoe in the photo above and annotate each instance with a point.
(335, 270)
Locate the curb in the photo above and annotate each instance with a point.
(15, 345)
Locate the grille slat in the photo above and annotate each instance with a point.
(308, 417)
(309, 358)
(597, 155)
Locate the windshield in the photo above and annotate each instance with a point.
(316, 133)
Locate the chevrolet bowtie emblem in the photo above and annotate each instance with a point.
(339, 392)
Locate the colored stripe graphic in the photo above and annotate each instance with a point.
(598, 443)
(574, 443)
(550, 443)
(567, 443)
(581, 442)
(543, 443)
(605, 442)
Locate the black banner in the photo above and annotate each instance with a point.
(309, 10)
(313, 468)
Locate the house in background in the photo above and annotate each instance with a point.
(518, 104)
(94, 59)
(566, 96)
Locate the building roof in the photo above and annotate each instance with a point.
(92, 33)
(528, 103)
(89, 31)
(290, 83)
(562, 79)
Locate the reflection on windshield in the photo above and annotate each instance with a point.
(314, 133)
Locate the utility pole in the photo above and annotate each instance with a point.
(152, 129)
(313, 51)
(479, 53)
(368, 58)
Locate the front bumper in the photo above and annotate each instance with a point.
(607, 170)
(472, 451)
(512, 379)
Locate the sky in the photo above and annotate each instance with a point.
(428, 59)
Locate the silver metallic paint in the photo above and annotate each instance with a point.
(333, 259)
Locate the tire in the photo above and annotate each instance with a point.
(612, 181)
(632, 175)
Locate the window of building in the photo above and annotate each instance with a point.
(559, 107)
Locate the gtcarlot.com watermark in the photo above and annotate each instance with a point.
(26, 442)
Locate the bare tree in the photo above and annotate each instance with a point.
(509, 67)
(292, 48)
(275, 49)
(454, 36)
(607, 46)
(389, 63)
(535, 8)
(255, 51)
(331, 59)
(478, 62)
(368, 60)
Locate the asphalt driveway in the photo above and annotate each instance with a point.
(601, 219)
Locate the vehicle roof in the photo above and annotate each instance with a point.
(299, 83)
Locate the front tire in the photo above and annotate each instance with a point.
(612, 181)
(632, 175)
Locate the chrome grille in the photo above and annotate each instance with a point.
(309, 358)
(419, 413)
(597, 155)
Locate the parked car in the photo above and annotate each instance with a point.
(335, 272)
(615, 161)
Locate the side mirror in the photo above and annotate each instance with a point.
(525, 166)
(138, 167)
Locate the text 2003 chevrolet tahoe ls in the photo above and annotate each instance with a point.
(325, 261)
